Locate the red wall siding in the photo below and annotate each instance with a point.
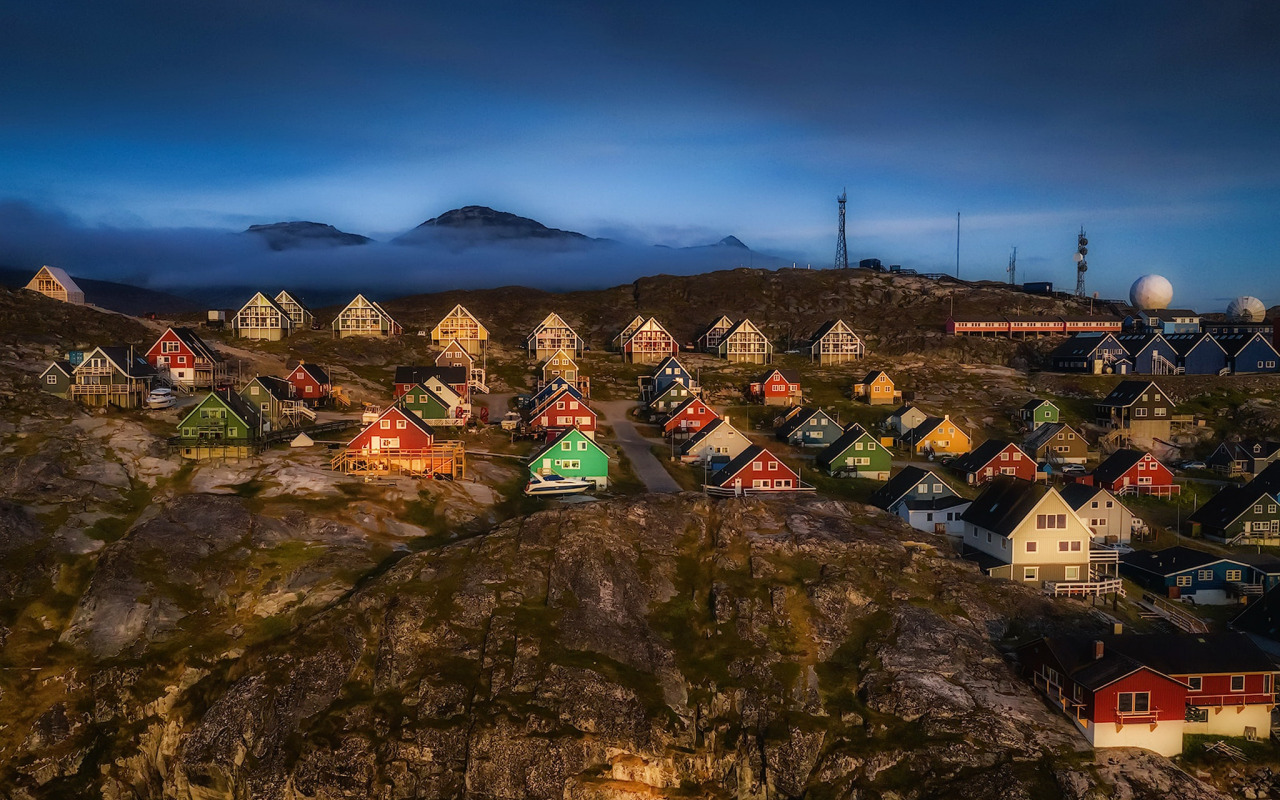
(758, 469)
(182, 358)
(1025, 466)
(552, 416)
(1168, 698)
(1213, 687)
(411, 436)
(692, 419)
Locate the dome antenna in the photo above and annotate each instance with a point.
(1082, 266)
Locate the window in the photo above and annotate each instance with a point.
(51, 378)
(566, 445)
(1204, 575)
(1133, 702)
(1139, 412)
(1030, 573)
(582, 445)
(571, 464)
(1237, 683)
(1257, 509)
(1063, 546)
(1004, 456)
(401, 424)
(1234, 574)
(1047, 521)
(773, 466)
(1193, 683)
(1094, 504)
(1072, 573)
(1184, 580)
(1159, 412)
(385, 425)
(1031, 547)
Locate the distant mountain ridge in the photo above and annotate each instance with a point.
(291, 235)
(480, 224)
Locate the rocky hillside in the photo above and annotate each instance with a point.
(648, 647)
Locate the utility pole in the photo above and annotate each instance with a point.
(1013, 267)
(957, 244)
(842, 250)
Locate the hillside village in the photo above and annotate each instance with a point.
(1121, 463)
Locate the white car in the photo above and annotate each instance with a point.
(160, 398)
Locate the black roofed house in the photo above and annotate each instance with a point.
(1168, 320)
(994, 457)
(1037, 412)
(1056, 443)
(458, 379)
(1238, 514)
(181, 356)
(877, 388)
(808, 427)
(1135, 472)
(116, 376)
(1110, 520)
(56, 378)
(716, 443)
(778, 387)
(855, 452)
(1248, 457)
(1095, 353)
(1139, 409)
(708, 339)
(1198, 353)
(1249, 352)
(221, 425)
(924, 499)
(1149, 353)
(298, 312)
(836, 343)
(936, 436)
(1208, 578)
(904, 418)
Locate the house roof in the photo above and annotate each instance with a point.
(982, 455)
(1269, 478)
(1169, 561)
(316, 372)
(1076, 656)
(292, 299)
(716, 425)
(901, 484)
(799, 418)
(1034, 403)
(725, 473)
(722, 321)
(278, 388)
(449, 375)
(1134, 343)
(741, 325)
(60, 275)
(669, 361)
(1228, 505)
(236, 404)
(873, 374)
(1192, 653)
(554, 396)
(901, 410)
(457, 312)
(61, 365)
(1077, 494)
(1184, 343)
(789, 375)
(936, 504)
(553, 443)
(827, 327)
(1250, 449)
(1004, 504)
(1233, 343)
(1117, 464)
(1261, 617)
(1127, 393)
(1081, 345)
(680, 409)
(195, 344)
(842, 442)
(1044, 434)
(285, 320)
(1168, 314)
(128, 360)
(927, 426)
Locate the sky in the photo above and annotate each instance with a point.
(136, 136)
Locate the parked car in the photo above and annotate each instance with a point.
(160, 398)
(1192, 465)
(1073, 469)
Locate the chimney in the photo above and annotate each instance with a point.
(1097, 649)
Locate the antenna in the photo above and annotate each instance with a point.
(842, 250)
(1082, 266)
(1013, 267)
(957, 244)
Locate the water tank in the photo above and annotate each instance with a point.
(1151, 293)
(1246, 309)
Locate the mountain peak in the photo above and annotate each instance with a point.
(290, 235)
(732, 241)
(477, 224)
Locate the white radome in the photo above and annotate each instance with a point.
(1246, 309)
(1151, 293)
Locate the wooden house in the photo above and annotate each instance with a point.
(461, 324)
(1138, 409)
(675, 395)
(717, 442)
(620, 340)
(181, 356)
(572, 454)
(311, 383)
(836, 343)
(936, 436)
(904, 418)
(262, 318)
(274, 400)
(649, 343)
(1248, 457)
(1134, 472)
(1165, 321)
(455, 356)
(112, 376)
(1037, 412)
(561, 412)
(877, 388)
(668, 371)
(1093, 353)
(222, 425)
(924, 499)
(364, 317)
(744, 343)
(778, 387)
(399, 443)
(992, 458)
(1249, 352)
(432, 408)
(456, 378)
(856, 453)
(561, 364)
(1198, 353)
(1149, 353)
(1026, 532)
(755, 470)
(1206, 578)
(56, 379)
(299, 314)
(551, 335)
(552, 389)
(1238, 515)
(808, 427)
(1056, 443)
(689, 418)
(708, 340)
(1110, 520)
(56, 283)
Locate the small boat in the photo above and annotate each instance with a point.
(556, 484)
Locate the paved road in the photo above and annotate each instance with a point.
(646, 465)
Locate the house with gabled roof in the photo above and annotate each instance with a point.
(755, 471)
(572, 454)
(298, 312)
(553, 334)
(1247, 457)
(1037, 412)
(689, 418)
(1135, 472)
(181, 356)
(262, 318)
(835, 343)
(462, 325)
(744, 343)
(562, 411)
(1166, 320)
(1149, 353)
(1238, 514)
(649, 343)
(56, 379)
(560, 365)
(936, 436)
(856, 453)
(1095, 353)
(708, 339)
(904, 418)
(924, 499)
(455, 355)
(399, 443)
(432, 408)
(620, 339)
(877, 388)
(1139, 409)
(778, 387)
(455, 378)
(1056, 443)
(311, 383)
(364, 317)
(1209, 578)
(112, 376)
(717, 442)
(274, 400)
(550, 390)
(808, 427)
(1249, 352)
(54, 282)
(675, 395)
(668, 371)
(1027, 533)
(1198, 353)
(1110, 520)
(992, 458)
(222, 425)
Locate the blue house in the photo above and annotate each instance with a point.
(546, 392)
(1204, 577)
(1149, 353)
(1198, 353)
(1249, 352)
(1169, 320)
(809, 426)
(669, 371)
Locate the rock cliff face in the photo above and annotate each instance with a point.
(649, 647)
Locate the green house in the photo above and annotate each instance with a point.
(857, 452)
(272, 397)
(56, 379)
(425, 403)
(572, 455)
(1038, 412)
(222, 425)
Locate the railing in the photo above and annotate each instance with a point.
(90, 369)
(1180, 618)
(1249, 589)
(1225, 700)
(443, 458)
(1092, 588)
(1150, 715)
(1103, 555)
(108, 388)
(729, 491)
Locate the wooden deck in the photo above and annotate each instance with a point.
(443, 459)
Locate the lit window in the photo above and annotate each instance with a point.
(385, 425)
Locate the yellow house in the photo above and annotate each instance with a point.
(938, 435)
(461, 325)
(877, 389)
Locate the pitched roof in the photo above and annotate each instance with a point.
(936, 503)
(1077, 657)
(1077, 494)
(1044, 434)
(1081, 345)
(981, 455)
(292, 299)
(1004, 504)
(1192, 653)
(1184, 343)
(1261, 617)
(128, 360)
(1228, 505)
(1269, 478)
(1127, 393)
(316, 372)
(741, 326)
(278, 388)
(60, 275)
(901, 484)
(1117, 464)
(1168, 561)
(1134, 343)
(714, 426)
(554, 442)
(740, 462)
(62, 365)
(1168, 314)
(236, 404)
(448, 375)
(195, 344)
(799, 417)
(1233, 343)
(842, 442)
(827, 327)
(873, 374)
(789, 375)
(285, 321)
(722, 321)
(680, 409)
(1034, 403)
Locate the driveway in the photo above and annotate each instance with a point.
(646, 465)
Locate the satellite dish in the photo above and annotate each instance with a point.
(1079, 257)
(1084, 251)
(1083, 241)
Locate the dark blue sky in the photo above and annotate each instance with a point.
(1156, 125)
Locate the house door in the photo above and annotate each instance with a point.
(737, 485)
(375, 444)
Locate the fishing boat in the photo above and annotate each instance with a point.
(556, 485)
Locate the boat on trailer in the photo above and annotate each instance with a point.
(556, 485)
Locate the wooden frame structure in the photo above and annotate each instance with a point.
(363, 317)
(744, 343)
(836, 343)
(54, 282)
(554, 334)
(441, 459)
(649, 343)
(262, 318)
(462, 325)
(299, 314)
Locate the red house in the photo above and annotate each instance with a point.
(311, 384)
(182, 356)
(995, 457)
(689, 418)
(562, 411)
(1135, 472)
(755, 470)
(777, 388)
